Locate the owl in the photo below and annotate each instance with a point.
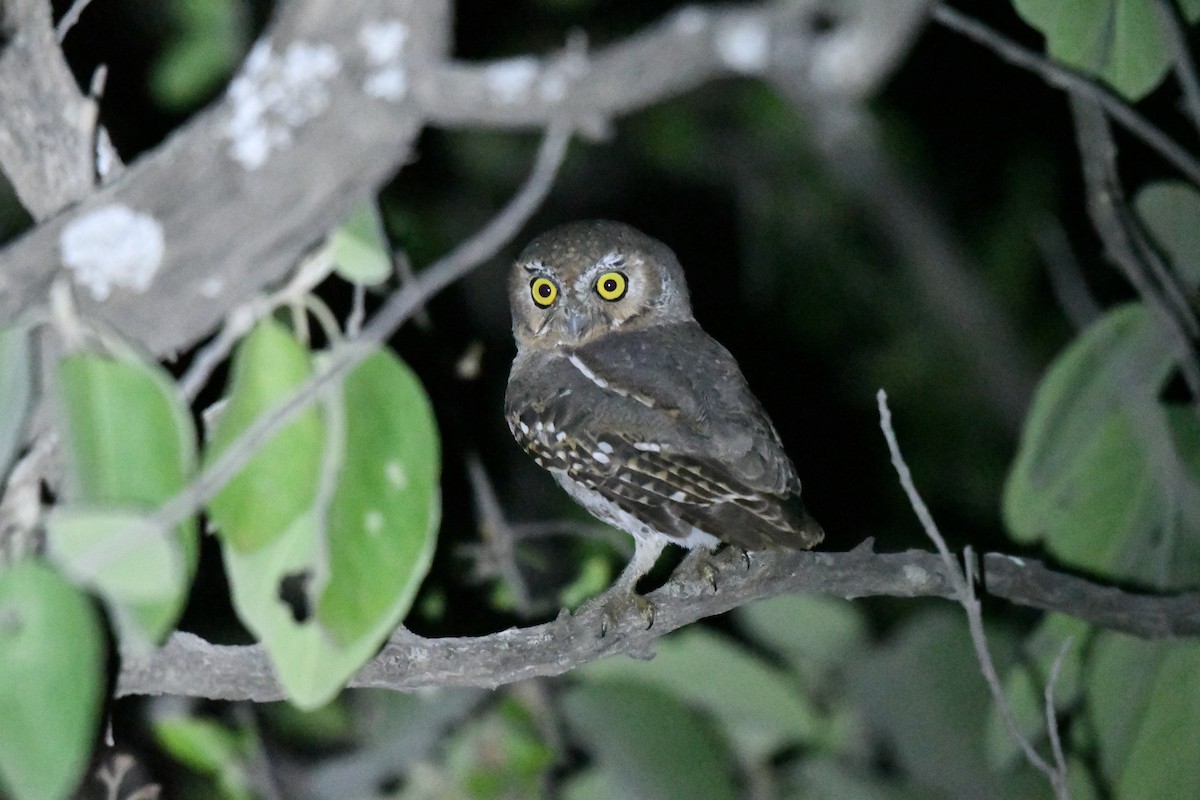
(643, 418)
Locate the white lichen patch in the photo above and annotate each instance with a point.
(744, 45)
(396, 475)
(690, 20)
(509, 82)
(274, 95)
(917, 576)
(111, 247)
(211, 287)
(384, 42)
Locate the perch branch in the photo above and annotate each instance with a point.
(188, 665)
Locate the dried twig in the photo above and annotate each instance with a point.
(399, 307)
(964, 590)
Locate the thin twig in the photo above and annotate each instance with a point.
(1066, 275)
(1175, 32)
(1051, 717)
(1063, 78)
(497, 535)
(964, 589)
(1117, 229)
(399, 307)
(69, 19)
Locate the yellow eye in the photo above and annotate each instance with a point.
(612, 285)
(544, 291)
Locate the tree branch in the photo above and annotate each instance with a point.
(188, 665)
(228, 231)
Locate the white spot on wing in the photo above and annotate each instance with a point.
(679, 497)
(647, 447)
(603, 459)
(587, 373)
(605, 447)
(112, 246)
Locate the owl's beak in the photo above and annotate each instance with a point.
(576, 320)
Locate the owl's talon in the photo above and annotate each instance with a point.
(617, 607)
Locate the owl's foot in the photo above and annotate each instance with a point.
(711, 565)
(617, 606)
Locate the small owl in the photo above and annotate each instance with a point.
(642, 417)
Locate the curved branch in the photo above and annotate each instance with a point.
(188, 665)
(228, 231)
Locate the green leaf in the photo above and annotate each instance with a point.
(648, 742)
(360, 248)
(131, 445)
(16, 376)
(499, 755)
(1119, 41)
(51, 680)
(210, 37)
(1104, 474)
(387, 508)
(134, 564)
(278, 484)
(816, 634)
(924, 697)
(1171, 210)
(364, 556)
(753, 702)
(209, 748)
(1144, 701)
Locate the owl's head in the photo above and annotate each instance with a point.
(583, 279)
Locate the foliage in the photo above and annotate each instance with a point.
(326, 535)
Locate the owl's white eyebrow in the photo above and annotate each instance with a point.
(612, 259)
(534, 266)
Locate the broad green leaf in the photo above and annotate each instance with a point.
(648, 743)
(360, 249)
(16, 376)
(824, 778)
(131, 445)
(209, 748)
(924, 696)
(278, 484)
(134, 564)
(499, 754)
(324, 594)
(1120, 41)
(1104, 474)
(51, 681)
(386, 511)
(815, 634)
(210, 37)
(1144, 701)
(754, 702)
(1171, 210)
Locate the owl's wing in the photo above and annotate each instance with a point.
(662, 424)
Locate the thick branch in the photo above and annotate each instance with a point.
(228, 228)
(46, 137)
(190, 666)
(228, 231)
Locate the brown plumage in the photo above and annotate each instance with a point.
(638, 413)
